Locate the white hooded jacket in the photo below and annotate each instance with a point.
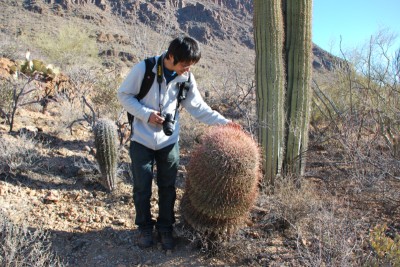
(152, 135)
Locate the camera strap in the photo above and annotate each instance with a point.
(183, 86)
(159, 80)
(183, 89)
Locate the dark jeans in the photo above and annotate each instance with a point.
(167, 160)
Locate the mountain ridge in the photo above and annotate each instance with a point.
(220, 24)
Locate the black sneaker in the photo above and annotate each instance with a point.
(167, 240)
(145, 239)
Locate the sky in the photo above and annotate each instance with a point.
(354, 21)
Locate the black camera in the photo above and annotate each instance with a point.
(168, 124)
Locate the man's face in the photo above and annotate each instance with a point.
(182, 67)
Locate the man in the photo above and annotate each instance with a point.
(150, 143)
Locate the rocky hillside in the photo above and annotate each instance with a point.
(205, 20)
(215, 23)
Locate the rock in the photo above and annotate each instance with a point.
(83, 171)
(2, 190)
(119, 221)
(30, 130)
(51, 197)
(7, 68)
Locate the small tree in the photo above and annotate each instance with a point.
(14, 95)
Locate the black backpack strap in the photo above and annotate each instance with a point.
(148, 78)
(147, 82)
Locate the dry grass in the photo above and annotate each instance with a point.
(19, 153)
(20, 246)
(317, 225)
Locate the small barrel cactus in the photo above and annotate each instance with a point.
(222, 184)
(105, 140)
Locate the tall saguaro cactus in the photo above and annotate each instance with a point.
(282, 32)
(270, 83)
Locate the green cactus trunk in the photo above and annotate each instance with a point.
(105, 140)
(223, 175)
(283, 69)
(298, 47)
(270, 83)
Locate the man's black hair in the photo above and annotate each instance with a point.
(184, 49)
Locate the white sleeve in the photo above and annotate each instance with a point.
(199, 109)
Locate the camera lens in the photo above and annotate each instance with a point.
(168, 124)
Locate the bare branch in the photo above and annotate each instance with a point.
(93, 120)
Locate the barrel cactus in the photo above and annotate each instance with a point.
(105, 140)
(222, 184)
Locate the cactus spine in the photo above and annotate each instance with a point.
(105, 140)
(223, 175)
(283, 75)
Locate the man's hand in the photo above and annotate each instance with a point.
(156, 118)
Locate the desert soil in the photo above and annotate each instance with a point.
(90, 227)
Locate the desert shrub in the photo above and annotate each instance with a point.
(232, 93)
(6, 94)
(17, 93)
(357, 117)
(386, 248)
(71, 45)
(328, 238)
(67, 112)
(292, 201)
(93, 95)
(356, 120)
(364, 94)
(20, 246)
(84, 82)
(325, 235)
(105, 95)
(18, 153)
